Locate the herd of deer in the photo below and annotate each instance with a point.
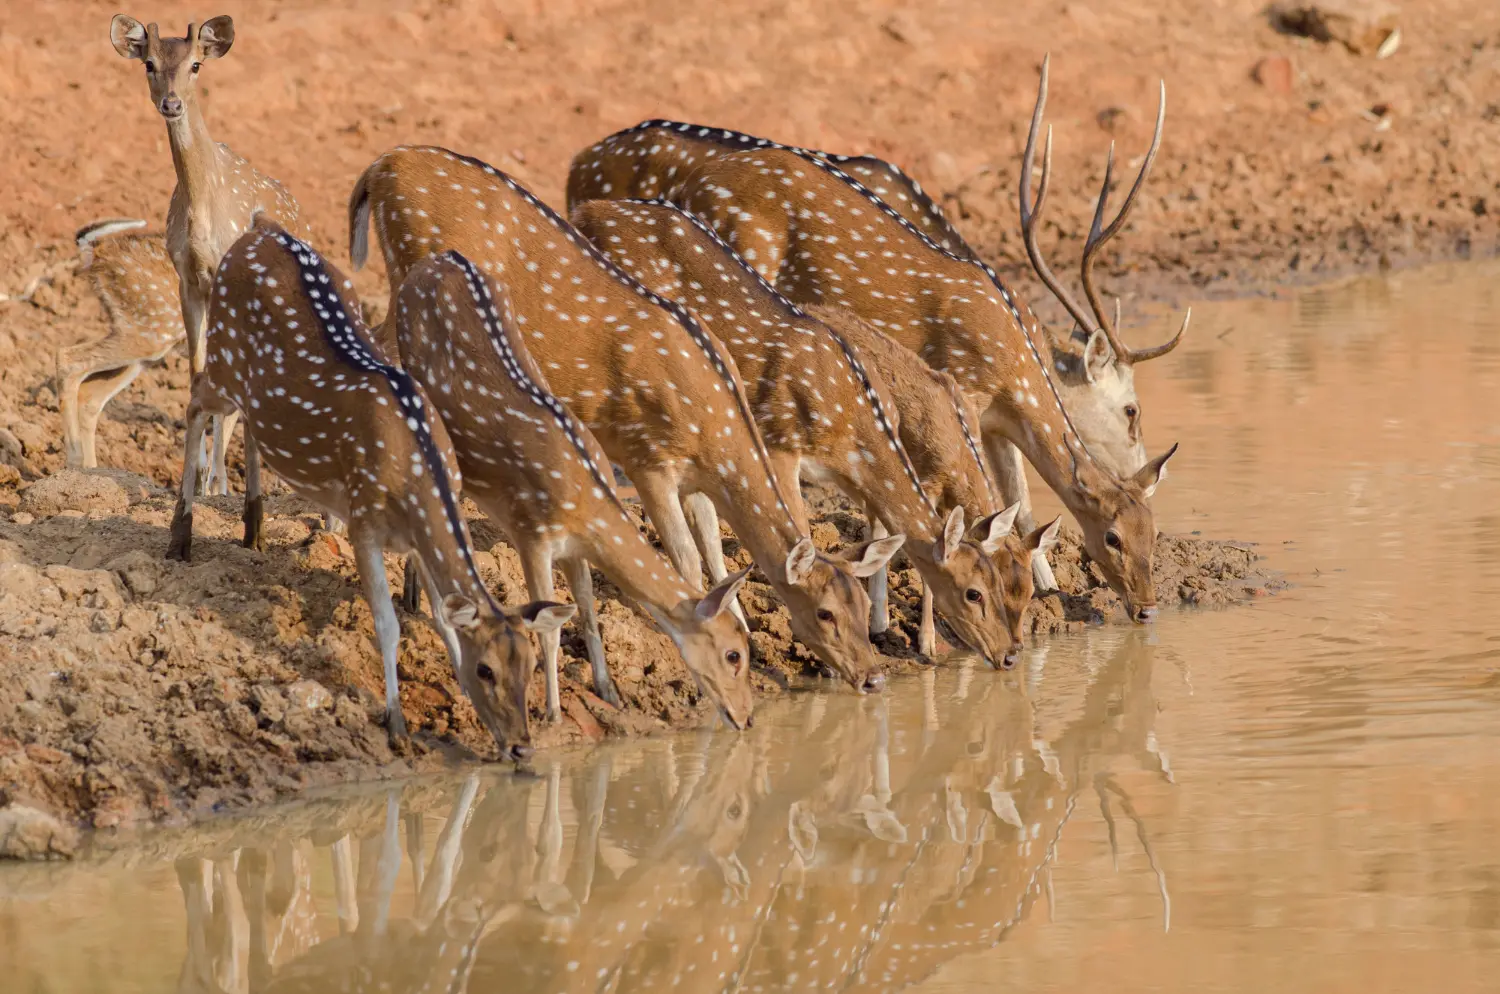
(723, 317)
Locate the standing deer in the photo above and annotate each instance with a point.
(937, 429)
(538, 473)
(351, 433)
(132, 277)
(818, 409)
(656, 389)
(217, 192)
(822, 236)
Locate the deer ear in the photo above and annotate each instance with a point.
(799, 562)
(1153, 472)
(953, 534)
(717, 600)
(215, 36)
(1045, 537)
(546, 616)
(1098, 355)
(869, 558)
(991, 532)
(460, 612)
(128, 36)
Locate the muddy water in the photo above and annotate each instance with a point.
(1298, 795)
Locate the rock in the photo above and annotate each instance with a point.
(26, 833)
(139, 570)
(1361, 26)
(1276, 74)
(309, 695)
(327, 550)
(75, 490)
(32, 436)
(39, 753)
(583, 719)
(22, 518)
(12, 453)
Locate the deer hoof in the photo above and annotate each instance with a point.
(395, 729)
(180, 547)
(608, 693)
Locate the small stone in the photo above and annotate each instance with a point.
(12, 453)
(39, 753)
(309, 695)
(21, 518)
(26, 833)
(1276, 74)
(583, 719)
(1361, 26)
(75, 490)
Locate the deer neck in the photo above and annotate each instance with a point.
(195, 157)
(656, 583)
(763, 526)
(444, 551)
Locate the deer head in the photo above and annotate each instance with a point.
(1119, 534)
(714, 648)
(1096, 370)
(497, 660)
(172, 64)
(830, 613)
(1011, 554)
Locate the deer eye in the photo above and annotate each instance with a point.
(151, 66)
(733, 657)
(1112, 539)
(1132, 412)
(197, 66)
(973, 596)
(485, 673)
(824, 614)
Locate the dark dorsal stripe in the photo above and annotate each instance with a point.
(341, 332)
(678, 312)
(819, 160)
(851, 356)
(498, 329)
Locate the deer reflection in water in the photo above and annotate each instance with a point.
(859, 844)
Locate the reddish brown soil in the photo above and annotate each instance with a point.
(135, 689)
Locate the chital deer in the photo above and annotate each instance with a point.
(133, 278)
(823, 237)
(217, 192)
(820, 412)
(657, 391)
(938, 431)
(538, 473)
(353, 434)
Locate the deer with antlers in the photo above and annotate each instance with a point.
(822, 237)
(820, 411)
(353, 434)
(538, 473)
(132, 276)
(217, 191)
(658, 392)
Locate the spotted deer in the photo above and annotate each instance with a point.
(540, 476)
(821, 236)
(659, 393)
(217, 191)
(353, 434)
(937, 430)
(133, 278)
(821, 413)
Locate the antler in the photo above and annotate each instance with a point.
(1098, 233)
(1030, 213)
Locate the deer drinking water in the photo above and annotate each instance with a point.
(351, 433)
(538, 473)
(819, 410)
(133, 278)
(822, 237)
(217, 192)
(658, 392)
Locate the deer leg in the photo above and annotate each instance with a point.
(590, 823)
(1010, 473)
(368, 554)
(93, 394)
(880, 611)
(218, 474)
(342, 857)
(195, 322)
(703, 517)
(192, 879)
(927, 630)
(659, 498)
(411, 585)
(252, 871)
(536, 563)
(70, 377)
(255, 501)
(180, 544)
(433, 893)
(581, 583)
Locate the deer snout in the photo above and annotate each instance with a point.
(171, 106)
(520, 752)
(874, 683)
(1145, 614)
(1012, 657)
